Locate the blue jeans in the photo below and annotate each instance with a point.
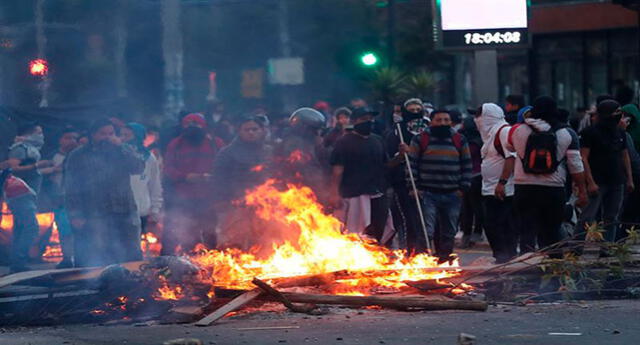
(25, 229)
(442, 209)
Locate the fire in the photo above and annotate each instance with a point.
(257, 168)
(38, 67)
(320, 245)
(150, 244)
(53, 251)
(298, 156)
(166, 292)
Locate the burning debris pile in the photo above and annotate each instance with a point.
(311, 261)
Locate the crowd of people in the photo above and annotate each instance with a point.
(526, 176)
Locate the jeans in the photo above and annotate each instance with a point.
(25, 229)
(499, 227)
(608, 203)
(540, 212)
(442, 209)
(65, 232)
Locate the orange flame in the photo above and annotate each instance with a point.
(166, 292)
(257, 168)
(298, 156)
(321, 247)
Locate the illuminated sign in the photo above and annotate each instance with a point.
(478, 24)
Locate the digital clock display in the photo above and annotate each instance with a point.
(476, 38)
(485, 24)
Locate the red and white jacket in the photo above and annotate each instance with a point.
(15, 187)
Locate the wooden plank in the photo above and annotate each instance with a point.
(23, 277)
(393, 302)
(235, 304)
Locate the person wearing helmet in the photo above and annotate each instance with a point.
(300, 155)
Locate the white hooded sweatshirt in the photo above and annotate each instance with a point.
(488, 124)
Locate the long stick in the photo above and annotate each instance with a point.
(415, 190)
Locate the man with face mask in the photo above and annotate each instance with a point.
(441, 165)
(605, 156)
(188, 165)
(358, 185)
(99, 201)
(241, 166)
(403, 206)
(24, 155)
(497, 181)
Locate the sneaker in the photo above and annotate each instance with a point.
(64, 264)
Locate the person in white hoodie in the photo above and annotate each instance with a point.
(146, 187)
(497, 181)
(546, 150)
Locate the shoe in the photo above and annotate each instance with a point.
(476, 237)
(466, 242)
(64, 264)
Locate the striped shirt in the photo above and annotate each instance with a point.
(442, 167)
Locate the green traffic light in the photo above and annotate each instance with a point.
(369, 59)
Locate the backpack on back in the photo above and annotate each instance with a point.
(541, 152)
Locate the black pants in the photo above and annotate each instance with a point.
(540, 211)
(379, 214)
(471, 219)
(499, 227)
(407, 221)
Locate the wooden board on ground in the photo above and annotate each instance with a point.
(235, 304)
(24, 277)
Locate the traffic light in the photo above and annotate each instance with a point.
(369, 59)
(38, 67)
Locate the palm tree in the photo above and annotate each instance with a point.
(420, 84)
(386, 84)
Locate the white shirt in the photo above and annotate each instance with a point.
(493, 163)
(147, 188)
(568, 147)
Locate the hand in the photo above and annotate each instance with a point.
(78, 223)
(193, 177)
(459, 194)
(403, 148)
(413, 194)
(153, 218)
(582, 201)
(115, 140)
(593, 189)
(630, 186)
(500, 191)
(44, 164)
(335, 201)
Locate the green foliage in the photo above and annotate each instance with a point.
(387, 84)
(420, 84)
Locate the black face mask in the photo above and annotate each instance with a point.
(363, 128)
(441, 131)
(194, 135)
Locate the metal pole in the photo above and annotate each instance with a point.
(415, 191)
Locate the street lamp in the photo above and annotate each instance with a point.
(369, 59)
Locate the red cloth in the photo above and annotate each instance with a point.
(194, 117)
(181, 159)
(15, 187)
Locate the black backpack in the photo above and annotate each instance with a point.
(541, 152)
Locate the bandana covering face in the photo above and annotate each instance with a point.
(416, 126)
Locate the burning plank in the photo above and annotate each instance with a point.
(235, 304)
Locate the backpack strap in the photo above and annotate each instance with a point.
(424, 141)
(496, 141)
(511, 131)
(457, 141)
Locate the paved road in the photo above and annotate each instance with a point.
(607, 322)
